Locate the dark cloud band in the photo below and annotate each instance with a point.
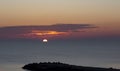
(18, 30)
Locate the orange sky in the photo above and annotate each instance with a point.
(102, 13)
(29, 12)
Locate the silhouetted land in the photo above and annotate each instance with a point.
(57, 66)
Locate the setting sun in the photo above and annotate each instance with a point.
(45, 40)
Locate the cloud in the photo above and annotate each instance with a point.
(42, 30)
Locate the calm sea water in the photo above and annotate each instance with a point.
(86, 52)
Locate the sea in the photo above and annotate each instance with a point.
(93, 52)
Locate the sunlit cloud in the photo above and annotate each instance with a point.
(57, 30)
(42, 33)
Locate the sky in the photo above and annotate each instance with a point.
(89, 32)
(104, 14)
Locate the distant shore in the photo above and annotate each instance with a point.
(57, 66)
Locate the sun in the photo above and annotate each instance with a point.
(45, 40)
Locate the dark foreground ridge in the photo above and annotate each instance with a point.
(57, 66)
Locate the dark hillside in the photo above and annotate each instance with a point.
(57, 66)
